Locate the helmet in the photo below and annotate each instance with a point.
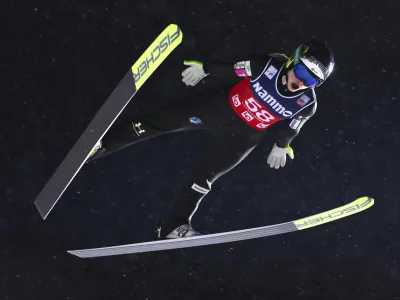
(317, 57)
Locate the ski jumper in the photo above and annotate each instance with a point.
(238, 121)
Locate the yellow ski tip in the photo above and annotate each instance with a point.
(351, 208)
(156, 53)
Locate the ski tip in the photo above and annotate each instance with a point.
(172, 25)
(365, 201)
(156, 53)
(351, 208)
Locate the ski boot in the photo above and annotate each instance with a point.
(96, 152)
(181, 231)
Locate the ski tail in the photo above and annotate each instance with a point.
(354, 207)
(136, 76)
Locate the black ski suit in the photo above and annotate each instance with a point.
(232, 141)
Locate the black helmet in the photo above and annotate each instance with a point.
(317, 57)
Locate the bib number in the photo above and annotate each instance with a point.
(252, 112)
(261, 114)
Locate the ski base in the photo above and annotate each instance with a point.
(148, 62)
(354, 207)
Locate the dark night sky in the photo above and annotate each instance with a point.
(59, 62)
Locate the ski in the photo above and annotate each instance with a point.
(354, 207)
(155, 54)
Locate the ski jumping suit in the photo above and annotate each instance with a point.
(238, 122)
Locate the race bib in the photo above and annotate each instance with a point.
(250, 109)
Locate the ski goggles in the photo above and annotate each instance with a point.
(301, 72)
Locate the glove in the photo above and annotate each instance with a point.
(193, 74)
(277, 157)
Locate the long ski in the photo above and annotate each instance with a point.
(155, 54)
(349, 209)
